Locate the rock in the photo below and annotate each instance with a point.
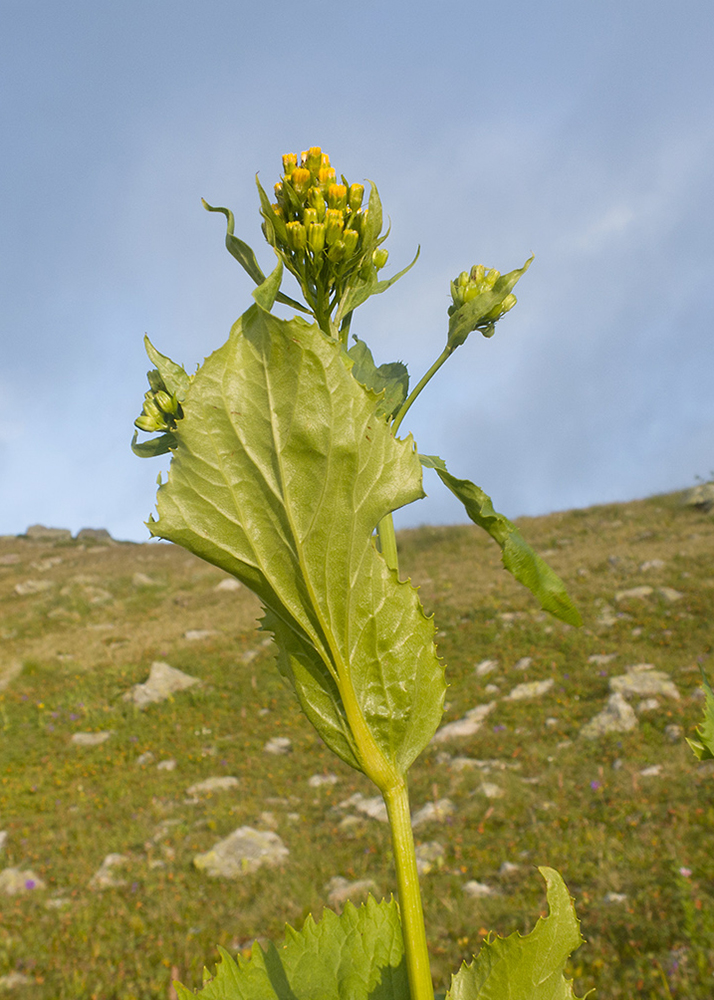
(470, 724)
(162, 682)
(671, 595)
(93, 535)
(490, 790)
(196, 634)
(508, 868)
(57, 903)
(278, 746)
(651, 772)
(602, 658)
(648, 705)
(351, 821)
(318, 780)
(28, 587)
(13, 979)
(491, 689)
(673, 732)
(429, 856)
(479, 890)
(644, 682)
(39, 533)
(701, 496)
(218, 784)
(3, 839)
(532, 689)
(615, 897)
(230, 583)
(468, 763)
(607, 615)
(650, 564)
(634, 594)
(14, 881)
(142, 580)
(434, 812)
(617, 717)
(340, 889)
(524, 663)
(166, 765)
(145, 758)
(372, 807)
(90, 739)
(103, 877)
(243, 851)
(486, 667)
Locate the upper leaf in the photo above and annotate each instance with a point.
(518, 557)
(282, 468)
(526, 968)
(704, 750)
(392, 378)
(357, 956)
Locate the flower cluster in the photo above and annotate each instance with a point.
(161, 408)
(476, 282)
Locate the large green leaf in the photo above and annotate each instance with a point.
(518, 557)
(281, 470)
(357, 956)
(526, 968)
(392, 378)
(704, 746)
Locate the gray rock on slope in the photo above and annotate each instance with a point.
(643, 681)
(470, 724)
(617, 717)
(162, 682)
(241, 852)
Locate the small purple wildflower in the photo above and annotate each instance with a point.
(686, 872)
(499, 729)
(595, 785)
(30, 883)
(73, 717)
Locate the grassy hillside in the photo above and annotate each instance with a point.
(635, 849)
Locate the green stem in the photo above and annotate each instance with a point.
(388, 542)
(446, 353)
(410, 908)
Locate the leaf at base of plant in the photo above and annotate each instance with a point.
(526, 968)
(356, 956)
(704, 747)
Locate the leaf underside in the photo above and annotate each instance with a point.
(526, 968)
(518, 557)
(356, 956)
(282, 468)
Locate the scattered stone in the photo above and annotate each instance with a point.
(14, 881)
(103, 877)
(670, 594)
(673, 732)
(607, 615)
(318, 780)
(268, 819)
(196, 634)
(468, 763)
(166, 765)
(701, 496)
(142, 580)
(372, 807)
(479, 890)
(615, 897)
(524, 663)
(39, 533)
(429, 856)
(162, 682)
(486, 667)
(650, 564)
(508, 868)
(490, 790)
(491, 689)
(340, 889)
(633, 594)
(551, 721)
(218, 784)
(350, 821)
(57, 903)
(617, 717)
(532, 689)
(29, 587)
(145, 758)
(279, 745)
(651, 772)
(600, 659)
(434, 812)
(43, 565)
(13, 979)
(642, 680)
(648, 705)
(3, 839)
(93, 535)
(230, 583)
(243, 851)
(470, 724)
(90, 739)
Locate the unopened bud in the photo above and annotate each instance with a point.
(289, 163)
(316, 200)
(300, 180)
(278, 209)
(313, 160)
(166, 403)
(297, 236)
(309, 216)
(477, 273)
(463, 279)
(351, 239)
(490, 279)
(337, 196)
(326, 176)
(325, 160)
(337, 251)
(316, 237)
(380, 257)
(334, 224)
(356, 194)
(508, 303)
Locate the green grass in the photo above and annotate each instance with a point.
(589, 813)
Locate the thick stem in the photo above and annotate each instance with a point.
(410, 908)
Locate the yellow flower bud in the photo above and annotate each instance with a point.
(508, 303)
(316, 237)
(337, 251)
(297, 235)
(491, 278)
(463, 279)
(166, 403)
(300, 180)
(316, 200)
(309, 216)
(380, 257)
(355, 196)
(278, 209)
(326, 176)
(289, 163)
(477, 273)
(351, 239)
(313, 159)
(325, 160)
(337, 196)
(334, 224)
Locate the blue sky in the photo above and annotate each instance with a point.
(582, 133)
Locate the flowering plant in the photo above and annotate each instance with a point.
(285, 470)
